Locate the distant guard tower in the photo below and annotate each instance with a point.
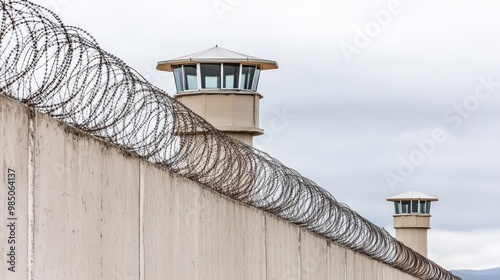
(412, 219)
(221, 86)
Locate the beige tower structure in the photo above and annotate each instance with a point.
(412, 219)
(221, 86)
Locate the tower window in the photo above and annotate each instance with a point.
(423, 207)
(179, 81)
(414, 206)
(231, 72)
(405, 207)
(247, 75)
(397, 207)
(255, 79)
(216, 76)
(210, 76)
(191, 76)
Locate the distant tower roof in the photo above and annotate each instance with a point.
(412, 195)
(217, 55)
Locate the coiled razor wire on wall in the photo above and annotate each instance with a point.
(61, 71)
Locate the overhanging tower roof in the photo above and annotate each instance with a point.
(412, 195)
(217, 55)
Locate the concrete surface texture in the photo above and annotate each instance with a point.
(235, 113)
(86, 210)
(412, 231)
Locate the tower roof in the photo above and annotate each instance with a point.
(412, 195)
(217, 55)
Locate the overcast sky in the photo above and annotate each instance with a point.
(359, 85)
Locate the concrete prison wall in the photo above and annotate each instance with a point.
(75, 207)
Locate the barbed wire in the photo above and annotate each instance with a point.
(61, 71)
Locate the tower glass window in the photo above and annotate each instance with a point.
(194, 77)
(256, 79)
(191, 75)
(179, 81)
(231, 73)
(414, 206)
(397, 207)
(210, 76)
(405, 207)
(423, 207)
(247, 76)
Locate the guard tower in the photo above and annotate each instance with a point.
(412, 219)
(221, 86)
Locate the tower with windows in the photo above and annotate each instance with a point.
(221, 86)
(412, 219)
